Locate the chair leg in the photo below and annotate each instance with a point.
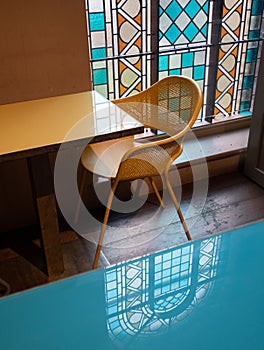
(76, 217)
(186, 230)
(106, 216)
(153, 185)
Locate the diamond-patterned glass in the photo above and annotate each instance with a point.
(192, 8)
(125, 59)
(187, 18)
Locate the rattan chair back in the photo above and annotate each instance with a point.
(171, 105)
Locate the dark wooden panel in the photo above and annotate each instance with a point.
(43, 193)
(254, 165)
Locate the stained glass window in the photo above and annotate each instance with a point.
(133, 43)
(147, 295)
(238, 52)
(119, 35)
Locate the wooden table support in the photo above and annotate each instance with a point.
(34, 129)
(45, 204)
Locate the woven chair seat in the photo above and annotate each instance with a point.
(170, 105)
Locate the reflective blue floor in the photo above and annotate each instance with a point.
(207, 294)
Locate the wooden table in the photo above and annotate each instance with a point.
(206, 294)
(33, 129)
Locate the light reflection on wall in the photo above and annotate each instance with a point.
(155, 292)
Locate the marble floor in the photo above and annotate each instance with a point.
(232, 200)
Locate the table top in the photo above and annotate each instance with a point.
(35, 124)
(206, 294)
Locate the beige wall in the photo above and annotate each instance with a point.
(43, 49)
(43, 53)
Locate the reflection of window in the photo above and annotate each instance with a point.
(134, 43)
(149, 294)
(108, 118)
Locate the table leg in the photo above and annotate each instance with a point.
(45, 204)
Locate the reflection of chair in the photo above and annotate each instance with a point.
(170, 105)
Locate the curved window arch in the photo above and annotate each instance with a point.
(153, 293)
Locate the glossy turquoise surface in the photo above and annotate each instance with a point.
(207, 294)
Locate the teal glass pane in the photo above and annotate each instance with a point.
(172, 34)
(175, 72)
(254, 34)
(204, 30)
(99, 76)
(248, 82)
(97, 21)
(98, 53)
(257, 7)
(206, 7)
(198, 72)
(244, 106)
(163, 63)
(252, 55)
(192, 8)
(173, 10)
(191, 31)
(187, 59)
(246, 112)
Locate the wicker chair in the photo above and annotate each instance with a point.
(170, 105)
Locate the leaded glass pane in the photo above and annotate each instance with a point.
(119, 34)
(182, 22)
(126, 57)
(237, 59)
